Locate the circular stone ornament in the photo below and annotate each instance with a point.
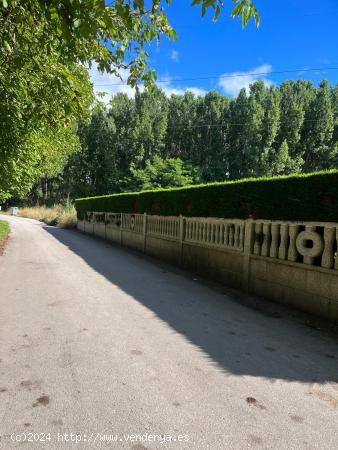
(132, 222)
(317, 244)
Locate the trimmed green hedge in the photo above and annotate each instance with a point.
(312, 197)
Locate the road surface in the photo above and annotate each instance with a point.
(98, 343)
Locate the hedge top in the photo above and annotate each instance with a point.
(312, 197)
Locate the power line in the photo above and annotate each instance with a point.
(224, 124)
(125, 139)
(232, 75)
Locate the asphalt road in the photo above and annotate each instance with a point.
(102, 343)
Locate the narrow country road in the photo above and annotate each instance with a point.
(98, 341)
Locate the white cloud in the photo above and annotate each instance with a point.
(169, 90)
(175, 55)
(108, 85)
(232, 83)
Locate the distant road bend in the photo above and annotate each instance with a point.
(97, 342)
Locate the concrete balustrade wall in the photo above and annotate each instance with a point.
(293, 263)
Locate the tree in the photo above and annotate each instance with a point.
(161, 173)
(211, 137)
(45, 46)
(282, 163)
(266, 132)
(181, 138)
(270, 126)
(296, 97)
(149, 125)
(319, 150)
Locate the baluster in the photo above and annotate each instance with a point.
(212, 234)
(266, 240)
(236, 235)
(226, 235)
(328, 256)
(216, 233)
(221, 234)
(292, 252)
(284, 237)
(206, 232)
(258, 237)
(241, 238)
(274, 240)
(231, 234)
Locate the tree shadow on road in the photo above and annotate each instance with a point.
(240, 340)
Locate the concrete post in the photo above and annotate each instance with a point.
(249, 237)
(121, 227)
(182, 236)
(144, 232)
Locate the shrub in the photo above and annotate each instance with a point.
(59, 215)
(296, 197)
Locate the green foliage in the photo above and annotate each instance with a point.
(298, 197)
(266, 131)
(46, 47)
(161, 173)
(244, 9)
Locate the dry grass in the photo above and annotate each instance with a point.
(59, 215)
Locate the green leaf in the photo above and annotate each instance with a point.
(7, 47)
(217, 13)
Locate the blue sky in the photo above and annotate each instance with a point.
(300, 34)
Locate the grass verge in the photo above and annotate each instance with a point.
(59, 215)
(4, 231)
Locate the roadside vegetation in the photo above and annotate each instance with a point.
(63, 216)
(281, 198)
(154, 141)
(46, 49)
(4, 231)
